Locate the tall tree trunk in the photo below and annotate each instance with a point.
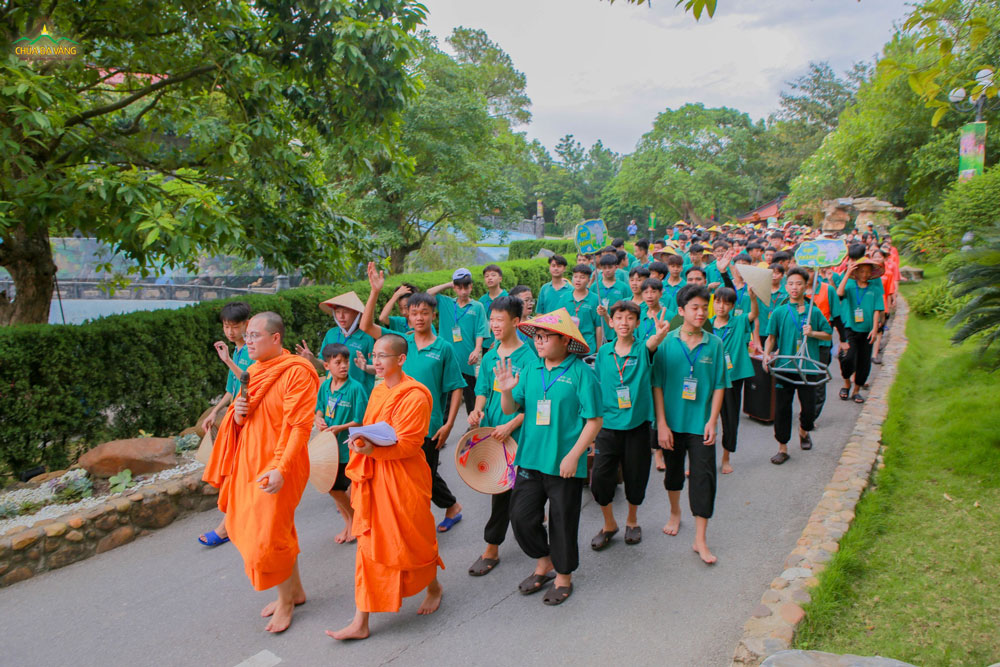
(397, 256)
(27, 255)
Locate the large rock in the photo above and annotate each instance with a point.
(140, 455)
(197, 425)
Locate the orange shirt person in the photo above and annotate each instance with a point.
(260, 463)
(391, 496)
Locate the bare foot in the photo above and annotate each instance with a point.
(344, 536)
(706, 555)
(358, 629)
(433, 599)
(281, 619)
(726, 468)
(453, 511)
(269, 608)
(673, 525)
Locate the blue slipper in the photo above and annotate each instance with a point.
(212, 539)
(448, 522)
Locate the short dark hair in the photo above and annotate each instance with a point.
(607, 260)
(608, 250)
(689, 292)
(743, 257)
(753, 245)
(782, 256)
(583, 268)
(639, 271)
(698, 269)
(697, 247)
(727, 294)
(674, 260)
(642, 243)
(660, 267)
(509, 304)
(418, 298)
(777, 267)
(621, 304)
(652, 283)
(856, 251)
(618, 243)
(336, 350)
(236, 312)
(798, 271)
(558, 259)
(464, 280)
(621, 255)
(519, 289)
(494, 268)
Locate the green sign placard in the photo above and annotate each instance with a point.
(972, 151)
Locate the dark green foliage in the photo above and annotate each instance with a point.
(67, 387)
(972, 205)
(978, 284)
(936, 300)
(528, 249)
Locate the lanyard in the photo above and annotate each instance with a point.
(464, 311)
(644, 328)
(859, 294)
(740, 292)
(800, 321)
(727, 331)
(548, 385)
(579, 304)
(336, 401)
(687, 355)
(620, 367)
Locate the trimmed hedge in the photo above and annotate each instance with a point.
(64, 388)
(530, 248)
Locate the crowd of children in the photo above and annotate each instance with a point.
(632, 359)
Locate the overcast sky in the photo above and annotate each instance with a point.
(601, 71)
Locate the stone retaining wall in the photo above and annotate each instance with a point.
(54, 543)
(772, 624)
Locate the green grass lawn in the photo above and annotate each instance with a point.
(917, 577)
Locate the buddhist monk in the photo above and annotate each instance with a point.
(260, 464)
(391, 496)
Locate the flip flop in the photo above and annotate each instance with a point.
(602, 539)
(633, 534)
(779, 458)
(448, 522)
(859, 399)
(806, 443)
(844, 394)
(557, 595)
(535, 583)
(483, 566)
(211, 539)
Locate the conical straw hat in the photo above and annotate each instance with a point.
(204, 452)
(347, 300)
(877, 269)
(324, 456)
(560, 322)
(485, 464)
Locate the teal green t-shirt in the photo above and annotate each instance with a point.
(743, 304)
(735, 340)
(867, 299)
(669, 298)
(435, 367)
(342, 406)
(493, 414)
(778, 298)
(786, 327)
(358, 341)
(671, 368)
(550, 298)
(571, 387)
(471, 322)
(608, 296)
(487, 301)
(241, 357)
(631, 371)
(584, 314)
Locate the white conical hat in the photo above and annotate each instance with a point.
(324, 458)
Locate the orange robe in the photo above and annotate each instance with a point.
(391, 496)
(274, 435)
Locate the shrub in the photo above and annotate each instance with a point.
(528, 249)
(953, 261)
(934, 299)
(972, 205)
(64, 388)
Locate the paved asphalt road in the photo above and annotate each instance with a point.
(165, 600)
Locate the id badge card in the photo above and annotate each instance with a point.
(689, 390)
(605, 302)
(495, 387)
(543, 412)
(331, 407)
(729, 362)
(624, 398)
(738, 311)
(859, 315)
(456, 334)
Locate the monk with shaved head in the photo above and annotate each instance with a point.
(260, 465)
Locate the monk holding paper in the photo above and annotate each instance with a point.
(260, 463)
(391, 496)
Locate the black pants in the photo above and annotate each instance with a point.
(731, 402)
(469, 392)
(858, 360)
(527, 513)
(628, 449)
(825, 354)
(784, 396)
(441, 495)
(701, 483)
(496, 526)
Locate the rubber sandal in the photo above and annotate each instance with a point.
(845, 394)
(806, 443)
(779, 458)
(602, 539)
(633, 534)
(448, 523)
(483, 566)
(859, 399)
(557, 595)
(535, 583)
(211, 539)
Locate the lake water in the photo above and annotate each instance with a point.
(79, 310)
